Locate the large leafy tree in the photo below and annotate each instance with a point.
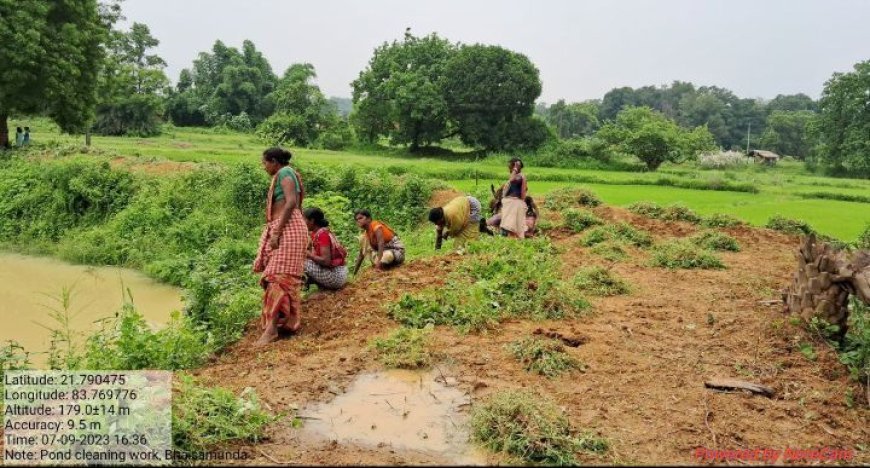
(786, 132)
(577, 119)
(302, 113)
(131, 85)
(792, 102)
(843, 124)
(654, 138)
(400, 93)
(490, 93)
(222, 84)
(50, 56)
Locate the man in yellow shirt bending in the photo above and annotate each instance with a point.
(459, 219)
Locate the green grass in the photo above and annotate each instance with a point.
(599, 281)
(405, 348)
(613, 251)
(683, 254)
(616, 232)
(543, 356)
(578, 220)
(781, 189)
(715, 240)
(530, 430)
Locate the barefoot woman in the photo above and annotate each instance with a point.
(281, 255)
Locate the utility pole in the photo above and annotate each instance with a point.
(748, 131)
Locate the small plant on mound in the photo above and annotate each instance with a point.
(620, 231)
(600, 281)
(567, 197)
(543, 356)
(720, 220)
(648, 209)
(863, 241)
(611, 250)
(678, 212)
(684, 254)
(203, 417)
(502, 278)
(534, 431)
(789, 226)
(714, 240)
(578, 220)
(405, 348)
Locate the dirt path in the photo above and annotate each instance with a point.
(648, 355)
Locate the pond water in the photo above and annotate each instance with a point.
(30, 287)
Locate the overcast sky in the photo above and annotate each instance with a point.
(756, 48)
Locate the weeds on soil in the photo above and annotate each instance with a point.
(405, 348)
(563, 198)
(789, 226)
(600, 281)
(675, 212)
(531, 430)
(685, 255)
(720, 220)
(579, 220)
(613, 251)
(714, 240)
(617, 232)
(204, 417)
(543, 356)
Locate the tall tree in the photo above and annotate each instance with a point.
(490, 94)
(400, 93)
(786, 132)
(843, 124)
(792, 102)
(577, 119)
(50, 57)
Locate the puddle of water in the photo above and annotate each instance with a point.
(404, 410)
(29, 286)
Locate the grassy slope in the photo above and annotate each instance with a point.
(778, 187)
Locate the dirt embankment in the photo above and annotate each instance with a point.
(647, 353)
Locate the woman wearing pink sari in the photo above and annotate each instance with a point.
(281, 255)
(513, 208)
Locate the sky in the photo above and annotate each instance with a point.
(583, 48)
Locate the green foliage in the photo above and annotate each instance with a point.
(610, 251)
(13, 356)
(855, 349)
(863, 241)
(617, 232)
(787, 133)
(600, 281)
(578, 220)
(577, 119)
(405, 348)
(720, 220)
(543, 356)
(648, 209)
(789, 226)
(532, 430)
(715, 240)
(569, 197)
(51, 55)
(837, 196)
(136, 115)
(675, 212)
(843, 124)
(686, 255)
(490, 94)
(507, 279)
(654, 138)
(808, 351)
(204, 418)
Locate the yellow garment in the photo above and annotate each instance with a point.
(456, 221)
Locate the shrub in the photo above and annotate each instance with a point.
(405, 348)
(855, 350)
(600, 281)
(789, 226)
(714, 240)
(720, 220)
(568, 197)
(204, 418)
(532, 430)
(648, 209)
(678, 212)
(723, 160)
(620, 231)
(683, 254)
(578, 220)
(543, 356)
(613, 251)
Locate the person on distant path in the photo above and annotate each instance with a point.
(325, 265)
(19, 137)
(513, 209)
(26, 140)
(461, 219)
(379, 242)
(281, 254)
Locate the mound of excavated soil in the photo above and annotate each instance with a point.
(648, 355)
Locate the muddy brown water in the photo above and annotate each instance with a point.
(31, 286)
(403, 410)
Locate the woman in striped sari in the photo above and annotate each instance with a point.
(281, 255)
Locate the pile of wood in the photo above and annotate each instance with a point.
(824, 280)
